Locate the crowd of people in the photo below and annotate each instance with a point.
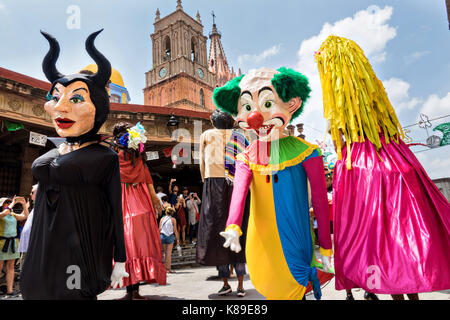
(264, 206)
(10, 229)
(16, 216)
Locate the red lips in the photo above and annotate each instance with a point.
(64, 123)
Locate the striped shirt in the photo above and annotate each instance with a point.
(237, 143)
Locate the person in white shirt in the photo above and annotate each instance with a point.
(169, 234)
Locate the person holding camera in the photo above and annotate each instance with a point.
(25, 235)
(192, 204)
(9, 240)
(180, 208)
(173, 192)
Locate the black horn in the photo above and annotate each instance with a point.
(49, 63)
(104, 67)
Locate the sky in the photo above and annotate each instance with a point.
(407, 42)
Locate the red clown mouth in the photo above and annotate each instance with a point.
(64, 123)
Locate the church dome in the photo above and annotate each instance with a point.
(118, 91)
(116, 77)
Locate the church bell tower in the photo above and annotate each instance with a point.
(180, 77)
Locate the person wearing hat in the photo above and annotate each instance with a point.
(9, 240)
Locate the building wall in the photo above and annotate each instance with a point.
(29, 154)
(181, 91)
(444, 186)
(156, 125)
(26, 109)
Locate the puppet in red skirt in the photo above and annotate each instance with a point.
(142, 240)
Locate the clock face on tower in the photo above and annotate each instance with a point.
(162, 72)
(200, 73)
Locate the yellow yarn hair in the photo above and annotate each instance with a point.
(354, 99)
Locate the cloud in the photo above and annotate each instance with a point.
(3, 8)
(398, 93)
(258, 58)
(416, 56)
(369, 28)
(436, 107)
(436, 162)
(372, 21)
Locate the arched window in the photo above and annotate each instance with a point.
(202, 98)
(167, 55)
(193, 49)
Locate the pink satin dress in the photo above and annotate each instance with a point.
(142, 238)
(392, 224)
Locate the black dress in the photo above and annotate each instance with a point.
(77, 225)
(213, 217)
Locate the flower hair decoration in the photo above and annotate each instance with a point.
(134, 138)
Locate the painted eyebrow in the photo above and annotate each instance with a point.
(247, 92)
(80, 89)
(263, 89)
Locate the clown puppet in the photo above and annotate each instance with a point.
(279, 248)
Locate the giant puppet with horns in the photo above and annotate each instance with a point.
(77, 228)
(279, 246)
(391, 222)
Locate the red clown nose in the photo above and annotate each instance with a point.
(255, 120)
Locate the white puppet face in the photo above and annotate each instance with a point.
(260, 108)
(71, 109)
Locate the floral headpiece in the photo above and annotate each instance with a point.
(134, 138)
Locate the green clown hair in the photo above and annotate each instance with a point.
(226, 97)
(291, 84)
(287, 83)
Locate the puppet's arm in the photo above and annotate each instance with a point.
(114, 193)
(316, 176)
(155, 200)
(151, 189)
(202, 157)
(242, 180)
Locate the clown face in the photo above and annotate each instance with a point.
(259, 106)
(71, 109)
(261, 109)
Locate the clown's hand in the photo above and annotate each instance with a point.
(231, 240)
(118, 274)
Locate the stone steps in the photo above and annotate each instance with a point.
(187, 256)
